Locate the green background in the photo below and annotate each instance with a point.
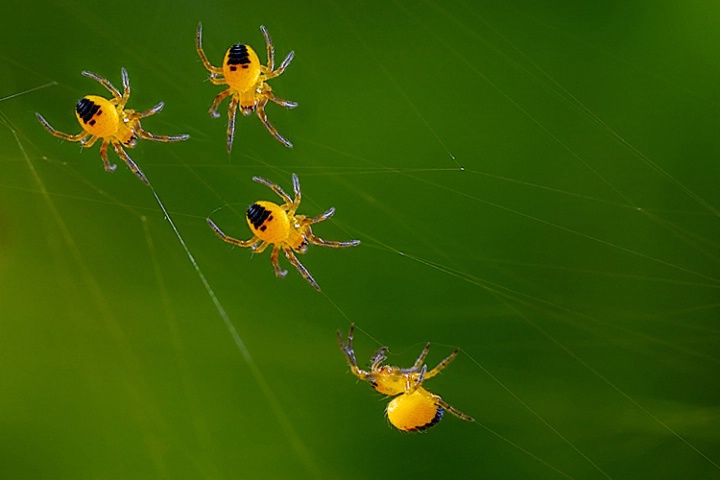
(534, 182)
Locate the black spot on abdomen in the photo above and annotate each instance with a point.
(438, 416)
(238, 55)
(86, 109)
(257, 214)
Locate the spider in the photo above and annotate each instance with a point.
(278, 225)
(415, 409)
(246, 80)
(108, 120)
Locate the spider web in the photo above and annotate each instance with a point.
(534, 185)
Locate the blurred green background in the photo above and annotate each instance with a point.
(534, 182)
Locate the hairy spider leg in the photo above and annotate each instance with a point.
(198, 46)
(231, 240)
(80, 137)
(300, 267)
(440, 366)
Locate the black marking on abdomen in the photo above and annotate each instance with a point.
(87, 109)
(438, 416)
(238, 55)
(257, 214)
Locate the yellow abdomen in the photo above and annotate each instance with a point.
(241, 67)
(268, 222)
(97, 116)
(412, 412)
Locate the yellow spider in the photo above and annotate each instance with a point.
(108, 120)
(278, 225)
(246, 80)
(415, 409)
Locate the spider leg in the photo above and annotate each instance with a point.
(419, 362)
(109, 167)
(298, 194)
(347, 349)
(132, 165)
(260, 248)
(217, 79)
(303, 271)
(281, 69)
(273, 131)
(270, 48)
(89, 143)
(442, 364)
(105, 83)
(149, 112)
(159, 138)
(280, 101)
(446, 406)
(232, 110)
(320, 218)
(378, 357)
(231, 240)
(65, 136)
(216, 103)
(412, 382)
(311, 238)
(126, 87)
(142, 133)
(198, 46)
(280, 273)
(275, 188)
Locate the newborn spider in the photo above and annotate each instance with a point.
(108, 120)
(278, 225)
(415, 409)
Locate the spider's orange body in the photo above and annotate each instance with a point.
(278, 225)
(414, 408)
(110, 121)
(246, 81)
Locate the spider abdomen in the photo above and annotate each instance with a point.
(241, 67)
(414, 412)
(268, 221)
(97, 116)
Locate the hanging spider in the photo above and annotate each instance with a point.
(279, 225)
(110, 121)
(415, 409)
(246, 79)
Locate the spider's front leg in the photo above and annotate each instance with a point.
(106, 83)
(199, 48)
(275, 188)
(442, 364)
(347, 349)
